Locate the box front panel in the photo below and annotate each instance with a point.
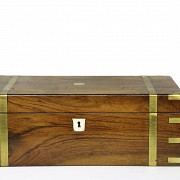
(77, 103)
(49, 139)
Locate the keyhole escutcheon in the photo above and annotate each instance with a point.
(78, 124)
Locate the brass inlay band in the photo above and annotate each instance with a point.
(4, 122)
(174, 140)
(3, 131)
(152, 103)
(152, 121)
(9, 85)
(174, 97)
(173, 159)
(149, 85)
(174, 120)
(153, 139)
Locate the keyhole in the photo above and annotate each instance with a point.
(79, 124)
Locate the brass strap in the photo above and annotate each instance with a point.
(4, 122)
(152, 121)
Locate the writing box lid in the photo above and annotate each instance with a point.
(86, 93)
(120, 85)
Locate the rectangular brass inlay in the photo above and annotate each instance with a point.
(174, 120)
(79, 84)
(174, 140)
(4, 122)
(152, 121)
(173, 159)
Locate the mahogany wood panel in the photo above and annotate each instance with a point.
(77, 103)
(49, 139)
(167, 130)
(89, 103)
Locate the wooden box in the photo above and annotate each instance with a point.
(47, 121)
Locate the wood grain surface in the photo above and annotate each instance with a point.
(89, 103)
(99, 94)
(49, 139)
(167, 130)
(168, 106)
(72, 103)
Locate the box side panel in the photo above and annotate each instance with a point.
(168, 139)
(168, 130)
(167, 104)
(49, 139)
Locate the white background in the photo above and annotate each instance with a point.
(90, 37)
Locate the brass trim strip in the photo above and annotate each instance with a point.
(174, 97)
(153, 103)
(152, 121)
(152, 139)
(149, 85)
(173, 140)
(3, 131)
(9, 85)
(4, 122)
(174, 120)
(173, 159)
